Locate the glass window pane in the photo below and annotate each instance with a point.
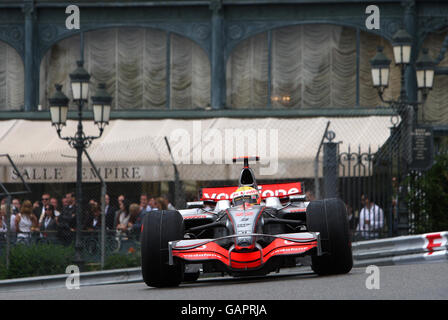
(312, 66)
(11, 78)
(132, 62)
(247, 74)
(189, 76)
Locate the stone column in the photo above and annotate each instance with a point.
(217, 56)
(31, 72)
(410, 25)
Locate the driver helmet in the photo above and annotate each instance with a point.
(245, 195)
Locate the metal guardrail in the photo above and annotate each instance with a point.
(428, 247)
(85, 279)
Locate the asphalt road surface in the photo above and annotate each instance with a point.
(420, 281)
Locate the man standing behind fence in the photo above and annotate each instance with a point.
(371, 219)
(109, 211)
(67, 219)
(39, 212)
(144, 204)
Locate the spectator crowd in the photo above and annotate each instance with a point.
(51, 218)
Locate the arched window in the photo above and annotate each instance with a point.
(133, 64)
(190, 75)
(11, 78)
(247, 73)
(305, 66)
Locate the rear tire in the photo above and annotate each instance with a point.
(329, 217)
(160, 227)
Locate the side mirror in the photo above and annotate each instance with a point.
(297, 198)
(273, 202)
(222, 205)
(195, 204)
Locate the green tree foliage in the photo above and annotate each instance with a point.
(428, 197)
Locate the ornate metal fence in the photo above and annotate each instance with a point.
(385, 194)
(365, 185)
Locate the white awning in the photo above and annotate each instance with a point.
(135, 150)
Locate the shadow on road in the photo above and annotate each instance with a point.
(296, 273)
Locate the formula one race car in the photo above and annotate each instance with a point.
(243, 231)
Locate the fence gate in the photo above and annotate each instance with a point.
(366, 186)
(384, 179)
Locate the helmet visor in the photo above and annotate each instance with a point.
(252, 199)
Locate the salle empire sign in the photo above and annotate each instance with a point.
(68, 174)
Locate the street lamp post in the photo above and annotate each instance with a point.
(402, 47)
(380, 71)
(59, 110)
(407, 110)
(425, 69)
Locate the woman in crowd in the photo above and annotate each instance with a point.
(134, 211)
(135, 214)
(161, 203)
(3, 227)
(123, 217)
(26, 222)
(48, 226)
(55, 203)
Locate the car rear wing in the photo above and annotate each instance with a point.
(245, 160)
(280, 190)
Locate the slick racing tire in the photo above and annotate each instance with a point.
(329, 217)
(160, 227)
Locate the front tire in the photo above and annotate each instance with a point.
(160, 227)
(329, 217)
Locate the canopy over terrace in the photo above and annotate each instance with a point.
(135, 150)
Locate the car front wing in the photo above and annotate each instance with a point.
(200, 250)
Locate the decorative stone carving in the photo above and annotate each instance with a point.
(215, 5)
(235, 32)
(13, 35)
(408, 5)
(28, 8)
(200, 31)
(48, 33)
(431, 24)
(391, 27)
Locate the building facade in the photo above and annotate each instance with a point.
(176, 56)
(207, 59)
